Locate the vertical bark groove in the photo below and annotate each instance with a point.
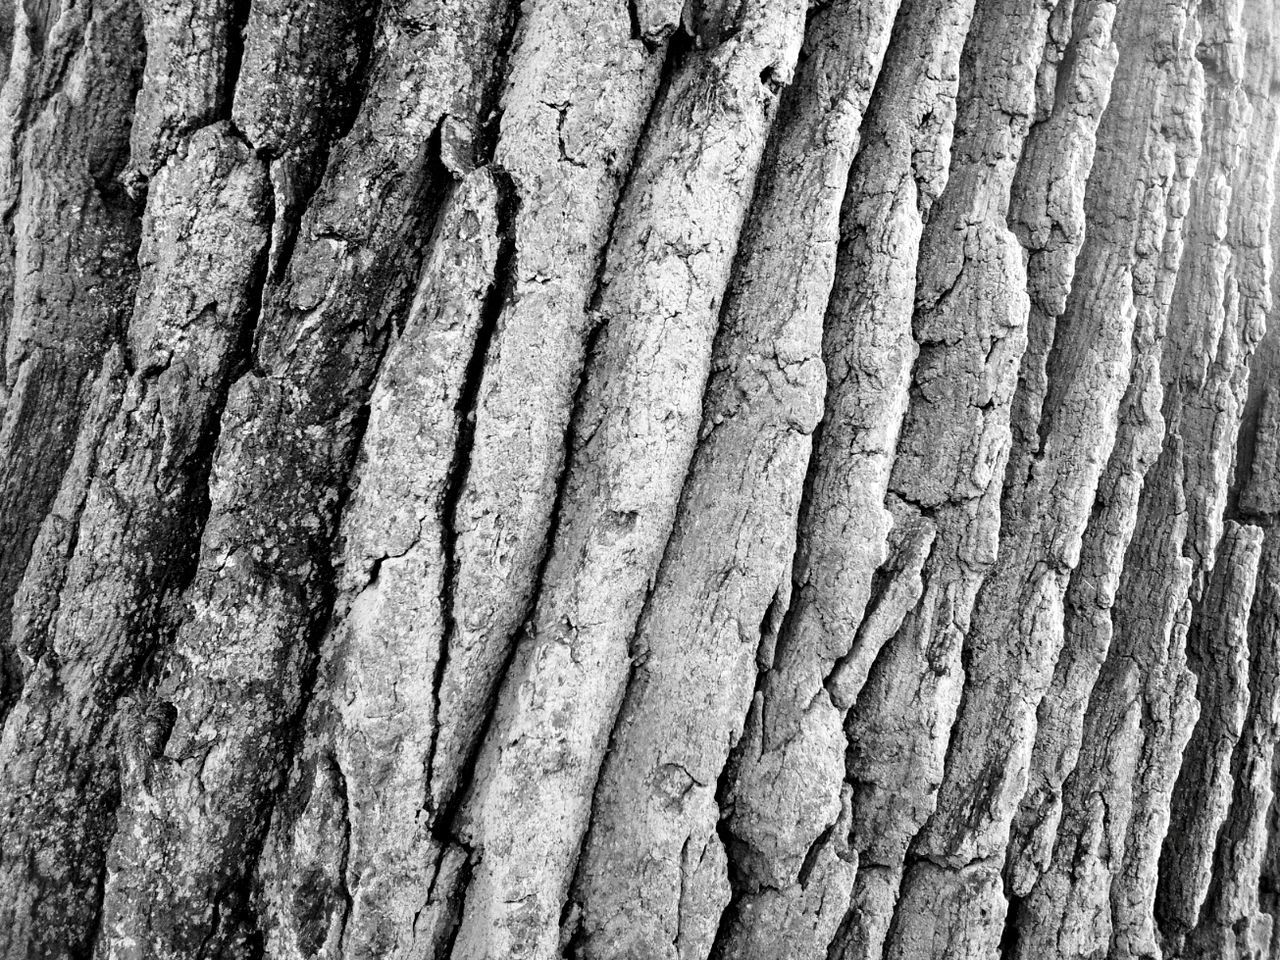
(1070, 821)
(734, 529)
(68, 237)
(682, 479)
(262, 590)
(74, 724)
(658, 306)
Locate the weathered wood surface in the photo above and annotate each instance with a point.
(639, 479)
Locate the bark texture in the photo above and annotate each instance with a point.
(674, 479)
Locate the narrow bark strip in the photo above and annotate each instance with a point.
(1203, 362)
(1240, 910)
(1048, 214)
(899, 172)
(1068, 909)
(963, 428)
(972, 339)
(297, 86)
(1238, 915)
(1015, 632)
(7, 10)
(1218, 653)
(1212, 334)
(185, 84)
(1232, 922)
(1220, 659)
(571, 113)
(580, 88)
(1258, 476)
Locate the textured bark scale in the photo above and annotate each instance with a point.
(639, 479)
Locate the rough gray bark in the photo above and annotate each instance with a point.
(784, 790)
(389, 623)
(1016, 631)
(727, 561)
(289, 432)
(572, 114)
(634, 434)
(1065, 835)
(113, 599)
(1219, 643)
(67, 246)
(1204, 367)
(1218, 653)
(642, 478)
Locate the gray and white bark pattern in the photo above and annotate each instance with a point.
(639, 479)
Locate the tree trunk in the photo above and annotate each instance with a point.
(681, 479)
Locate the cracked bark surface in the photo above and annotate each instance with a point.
(682, 479)
(384, 645)
(1204, 369)
(1015, 634)
(1218, 653)
(727, 560)
(573, 110)
(1061, 852)
(973, 333)
(658, 304)
(68, 243)
(1219, 644)
(288, 435)
(74, 731)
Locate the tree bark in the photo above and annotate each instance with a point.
(681, 479)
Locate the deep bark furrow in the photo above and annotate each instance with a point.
(1147, 143)
(72, 729)
(634, 434)
(771, 830)
(572, 112)
(261, 592)
(1218, 653)
(1204, 369)
(68, 237)
(101, 599)
(380, 658)
(1015, 633)
(185, 84)
(1211, 422)
(971, 319)
(679, 479)
(734, 533)
(950, 457)
(1047, 213)
(1239, 910)
(1232, 922)
(297, 86)
(1166, 562)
